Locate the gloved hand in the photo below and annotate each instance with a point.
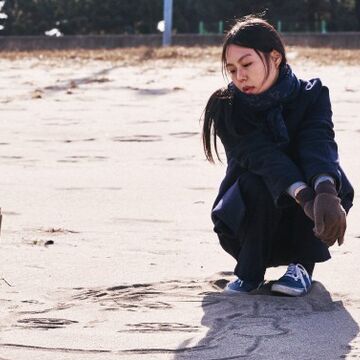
(305, 198)
(329, 215)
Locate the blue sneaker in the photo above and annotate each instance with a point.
(295, 282)
(241, 286)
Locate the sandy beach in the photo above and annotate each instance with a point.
(107, 249)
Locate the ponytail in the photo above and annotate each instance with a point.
(217, 113)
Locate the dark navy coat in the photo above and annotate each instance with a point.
(311, 151)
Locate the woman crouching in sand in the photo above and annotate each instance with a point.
(284, 198)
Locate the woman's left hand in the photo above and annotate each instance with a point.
(329, 219)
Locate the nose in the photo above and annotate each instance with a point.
(240, 75)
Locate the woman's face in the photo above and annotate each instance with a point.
(248, 70)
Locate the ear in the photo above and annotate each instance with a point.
(276, 57)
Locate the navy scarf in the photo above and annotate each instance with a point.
(270, 102)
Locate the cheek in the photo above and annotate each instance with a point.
(257, 74)
(266, 83)
(232, 75)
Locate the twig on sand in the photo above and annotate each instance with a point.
(5, 281)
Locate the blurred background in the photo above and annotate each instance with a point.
(93, 17)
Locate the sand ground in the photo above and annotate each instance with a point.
(107, 249)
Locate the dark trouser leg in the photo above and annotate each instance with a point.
(296, 241)
(307, 247)
(309, 266)
(260, 222)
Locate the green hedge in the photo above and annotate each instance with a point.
(34, 17)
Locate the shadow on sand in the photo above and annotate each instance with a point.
(264, 326)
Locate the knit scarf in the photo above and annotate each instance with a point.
(270, 102)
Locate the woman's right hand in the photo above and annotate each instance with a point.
(305, 198)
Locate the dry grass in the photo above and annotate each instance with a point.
(327, 56)
(140, 55)
(120, 55)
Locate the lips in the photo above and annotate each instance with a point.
(248, 89)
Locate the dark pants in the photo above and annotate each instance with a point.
(271, 236)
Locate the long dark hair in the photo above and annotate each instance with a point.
(250, 32)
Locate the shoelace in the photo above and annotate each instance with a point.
(297, 272)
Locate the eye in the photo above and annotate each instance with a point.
(247, 64)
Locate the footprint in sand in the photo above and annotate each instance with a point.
(45, 323)
(137, 138)
(184, 134)
(153, 327)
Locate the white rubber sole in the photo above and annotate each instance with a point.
(287, 290)
(230, 291)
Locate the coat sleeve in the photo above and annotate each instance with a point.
(259, 154)
(316, 146)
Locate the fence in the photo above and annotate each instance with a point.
(348, 40)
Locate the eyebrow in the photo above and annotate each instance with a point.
(240, 58)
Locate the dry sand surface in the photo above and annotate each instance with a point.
(107, 249)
